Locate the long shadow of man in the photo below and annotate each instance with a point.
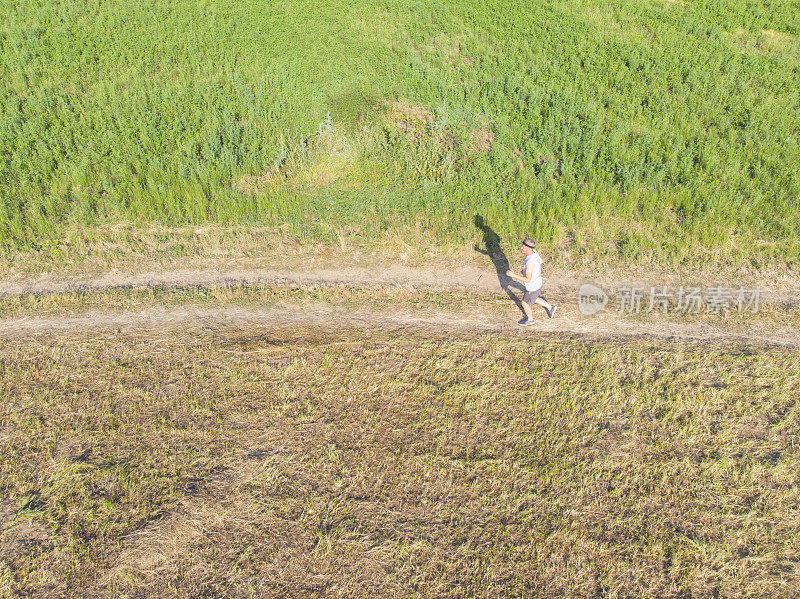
(492, 242)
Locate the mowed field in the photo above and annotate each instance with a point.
(652, 131)
(394, 458)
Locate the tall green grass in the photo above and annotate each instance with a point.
(645, 129)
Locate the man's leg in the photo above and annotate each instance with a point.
(543, 303)
(528, 310)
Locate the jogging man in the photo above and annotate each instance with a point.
(532, 279)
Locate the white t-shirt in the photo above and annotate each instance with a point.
(533, 261)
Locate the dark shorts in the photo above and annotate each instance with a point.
(530, 296)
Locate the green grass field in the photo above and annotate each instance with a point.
(649, 130)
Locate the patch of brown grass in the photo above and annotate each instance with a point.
(779, 35)
(410, 119)
(452, 52)
(779, 40)
(481, 140)
(327, 171)
(769, 40)
(257, 184)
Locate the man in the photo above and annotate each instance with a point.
(532, 279)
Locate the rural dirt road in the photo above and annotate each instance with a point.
(774, 325)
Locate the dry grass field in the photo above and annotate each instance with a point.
(327, 459)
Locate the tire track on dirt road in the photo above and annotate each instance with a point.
(569, 323)
(442, 278)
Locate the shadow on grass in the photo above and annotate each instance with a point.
(491, 241)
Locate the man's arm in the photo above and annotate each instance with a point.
(520, 278)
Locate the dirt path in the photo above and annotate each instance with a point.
(562, 290)
(439, 277)
(442, 279)
(567, 324)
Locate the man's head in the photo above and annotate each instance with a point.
(528, 246)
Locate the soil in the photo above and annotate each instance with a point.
(560, 289)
